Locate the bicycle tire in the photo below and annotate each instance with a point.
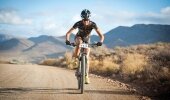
(79, 75)
(82, 73)
(79, 82)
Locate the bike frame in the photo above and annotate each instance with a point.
(82, 69)
(82, 65)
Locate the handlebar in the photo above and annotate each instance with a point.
(85, 44)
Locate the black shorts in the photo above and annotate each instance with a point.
(84, 39)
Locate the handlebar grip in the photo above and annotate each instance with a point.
(73, 44)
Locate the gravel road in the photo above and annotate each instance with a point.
(36, 82)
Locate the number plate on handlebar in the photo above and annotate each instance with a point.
(84, 45)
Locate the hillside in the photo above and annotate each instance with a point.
(33, 49)
(4, 37)
(137, 34)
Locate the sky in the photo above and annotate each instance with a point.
(31, 18)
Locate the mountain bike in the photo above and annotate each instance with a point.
(81, 71)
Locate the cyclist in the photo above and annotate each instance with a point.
(85, 27)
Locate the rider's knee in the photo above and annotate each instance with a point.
(78, 40)
(76, 52)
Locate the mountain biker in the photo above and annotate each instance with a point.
(85, 27)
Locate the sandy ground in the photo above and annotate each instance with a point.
(35, 82)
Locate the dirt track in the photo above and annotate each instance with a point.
(34, 82)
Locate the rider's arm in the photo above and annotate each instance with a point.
(100, 34)
(68, 33)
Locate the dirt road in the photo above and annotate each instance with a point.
(35, 82)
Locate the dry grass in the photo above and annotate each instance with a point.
(66, 61)
(105, 66)
(133, 63)
(146, 64)
(50, 62)
(149, 62)
(69, 60)
(54, 62)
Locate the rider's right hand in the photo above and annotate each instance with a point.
(68, 42)
(99, 43)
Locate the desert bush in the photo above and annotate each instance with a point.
(164, 75)
(133, 63)
(100, 51)
(109, 68)
(70, 64)
(146, 63)
(50, 62)
(104, 66)
(54, 62)
(159, 64)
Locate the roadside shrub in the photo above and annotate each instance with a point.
(54, 62)
(133, 63)
(148, 64)
(104, 66)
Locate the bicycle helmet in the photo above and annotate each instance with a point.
(85, 14)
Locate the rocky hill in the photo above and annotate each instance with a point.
(136, 34)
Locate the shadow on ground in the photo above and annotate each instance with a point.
(39, 90)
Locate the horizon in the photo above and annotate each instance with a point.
(74, 33)
(54, 18)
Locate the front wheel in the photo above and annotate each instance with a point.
(82, 78)
(78, 77)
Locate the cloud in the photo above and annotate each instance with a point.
(57, 24)
(10, 16)
(109, 19)
(76, 18)
(162, 17)
(51, 26)
(166, 11)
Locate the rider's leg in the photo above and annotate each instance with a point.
(78, 41)
(76, 52)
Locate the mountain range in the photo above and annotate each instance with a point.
(136, 34)
(32, 49)
(36, 49)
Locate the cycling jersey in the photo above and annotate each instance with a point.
(84, 31)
